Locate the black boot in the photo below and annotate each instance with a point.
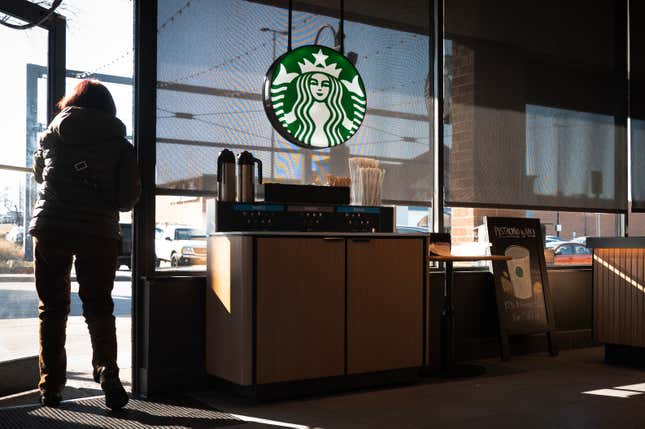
(51, 399)
(115, 395)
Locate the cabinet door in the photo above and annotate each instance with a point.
(300, 308)
(384, 304)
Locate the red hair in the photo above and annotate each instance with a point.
(89, 93)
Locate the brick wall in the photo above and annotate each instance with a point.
(461, 116)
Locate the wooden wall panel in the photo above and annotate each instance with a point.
(619, 296)
(597, 293)
(640, 278)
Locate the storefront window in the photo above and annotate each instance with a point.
(413, 219)
(209, 97)
(210, 84)
(565, 233)
(533, 117)
(180, 232)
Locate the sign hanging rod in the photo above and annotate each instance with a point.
(289, 30)
(341, 26)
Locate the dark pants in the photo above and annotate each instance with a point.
(95, 269)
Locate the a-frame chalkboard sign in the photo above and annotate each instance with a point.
(521, 284)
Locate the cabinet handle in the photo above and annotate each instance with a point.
(333, 238)
(361, 240)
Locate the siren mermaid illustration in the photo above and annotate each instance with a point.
(319, 115)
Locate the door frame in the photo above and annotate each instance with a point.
(21, 376)
(56, 27)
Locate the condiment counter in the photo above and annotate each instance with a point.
(285, 308)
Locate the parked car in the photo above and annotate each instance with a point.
(571, 253)
(158, 244)
(181, 245)
(552, 241)
(582, 240)
(125, 245)
(12, 216)
(404, 229)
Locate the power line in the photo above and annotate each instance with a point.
(229, 61)
(130, 51)
(173, 16)
(226, 127)
(407, 103)
(114, 61)
(184, 115)
(215, 66)
(406, 138)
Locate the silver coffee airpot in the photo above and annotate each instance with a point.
(246, 176)
(226, 176)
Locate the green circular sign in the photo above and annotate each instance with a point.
(314, 97)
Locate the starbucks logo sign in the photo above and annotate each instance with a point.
(314, 97)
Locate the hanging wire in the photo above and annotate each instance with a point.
(341, 27)
(48, 15)
(289, 30)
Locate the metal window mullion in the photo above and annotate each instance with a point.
(145, 92)
(56, 58)
(437, 52)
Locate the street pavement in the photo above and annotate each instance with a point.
(19, 326)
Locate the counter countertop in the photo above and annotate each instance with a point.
(616, 242)
(319, 234)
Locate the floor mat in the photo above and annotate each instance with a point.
(137, 414)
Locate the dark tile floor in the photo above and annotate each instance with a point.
(533, 391)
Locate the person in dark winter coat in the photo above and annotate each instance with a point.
(88, 173)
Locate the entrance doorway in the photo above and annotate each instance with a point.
(32, 78)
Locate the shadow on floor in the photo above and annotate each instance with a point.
(92, 413)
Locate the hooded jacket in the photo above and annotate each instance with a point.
(88, 172)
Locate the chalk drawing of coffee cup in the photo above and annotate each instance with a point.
(519, 269)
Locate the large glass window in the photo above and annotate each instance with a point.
(565, 233)
(209, 92)
(209, 97)
(637, 104)
(535, 104)
(23, 79)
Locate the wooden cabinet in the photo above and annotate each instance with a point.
(300, 308)
(384, 304)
